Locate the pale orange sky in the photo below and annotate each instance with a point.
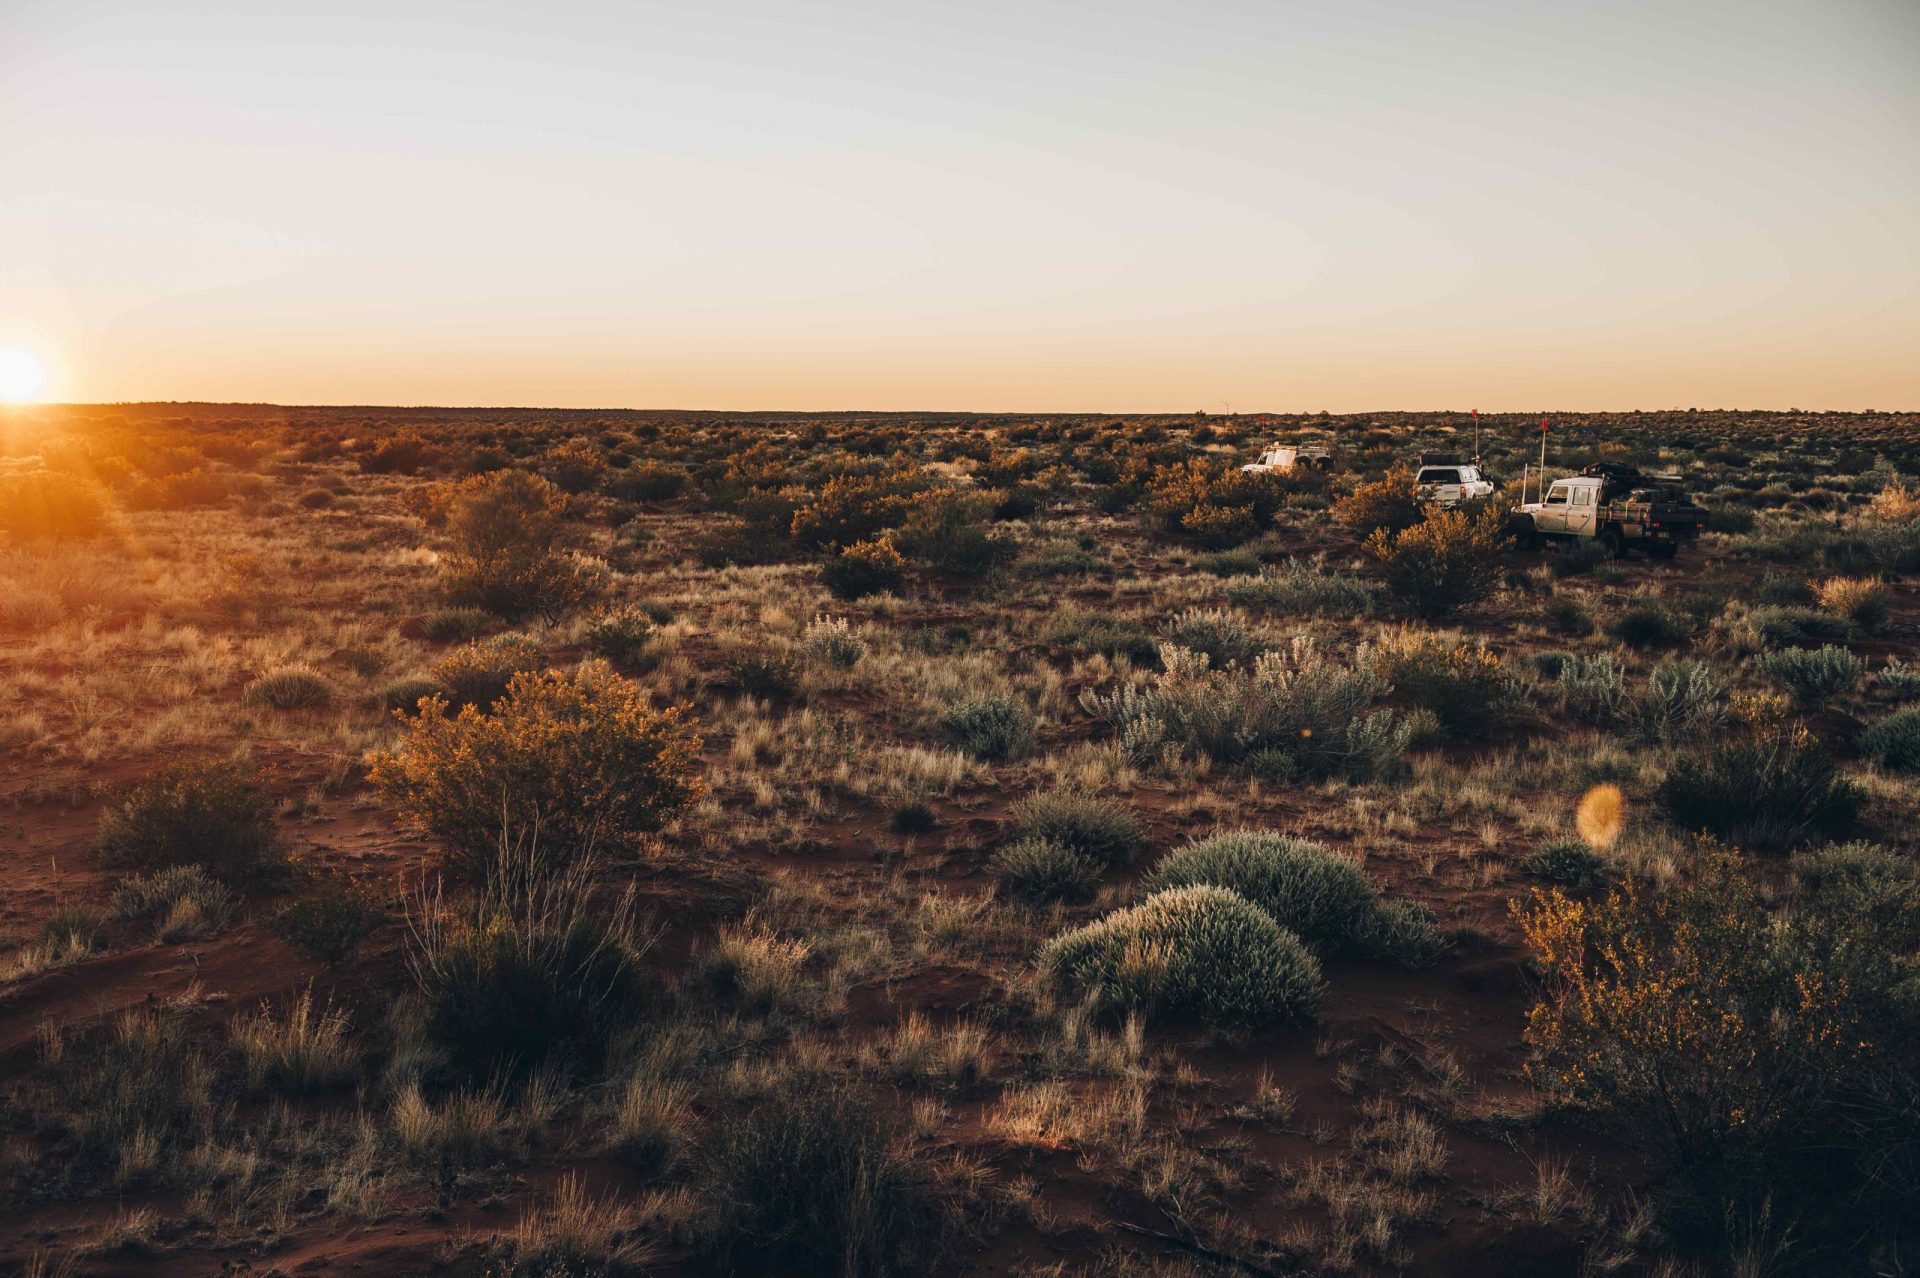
(989, 206)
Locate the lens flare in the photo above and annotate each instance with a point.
(1602, 811)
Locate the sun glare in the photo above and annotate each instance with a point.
(21, 376)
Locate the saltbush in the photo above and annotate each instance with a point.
(992, 728)
(1321, 897)
(1894, 742)
(1681, 699)
(1103, 830)
(1202, 951)
(1293, 702)
(1221, 635)
(1305, 588)
(1040, 870)
(1812, 677)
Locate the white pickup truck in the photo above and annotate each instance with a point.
(1286, 457)
(1615, 505)
(1451, 484)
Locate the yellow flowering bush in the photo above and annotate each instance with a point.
(571, 760)
(1689, 1013)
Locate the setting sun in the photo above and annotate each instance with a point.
(21, 376)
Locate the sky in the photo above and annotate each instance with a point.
(1225, 205)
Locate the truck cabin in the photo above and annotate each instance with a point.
(1455, 473)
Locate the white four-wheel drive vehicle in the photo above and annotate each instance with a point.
(1615, 505)
(1450, 483)
(1287, 456)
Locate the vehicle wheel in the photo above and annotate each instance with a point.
(1663, 549)
(1616, 544)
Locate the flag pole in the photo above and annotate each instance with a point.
(1543, 457)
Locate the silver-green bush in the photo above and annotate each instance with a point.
(1202, 951)
(1813, 676)
(1320, 896)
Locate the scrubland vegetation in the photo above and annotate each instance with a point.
(561, 844)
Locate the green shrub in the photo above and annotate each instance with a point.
(831, 641)
(1447, 563)
(864, 568)
(1768, 791)
(1202, 951)
(1782, 627)
(295, 687)
(214, 815)
(71, 931)
(1040, 870)
(1294, 702)
(44, 505)
(1681, 699)
(1058, 557)
(645, 481)
(405, 695)
(992, 728)
(1567, 615)
(1103, 830)
(136, 1095)
(1648, 625)
(1305, 588)
(333, 918)
(530, 976)
(1761, 1056)
(769, 674)
(1813, 677)
(1319, 896)
(1096, 632)
(509, 535)
(1464, 687)
(1390, 503)
(814, 1180)
(1228, 563)
(914, 817)
(183, 902)
(448, 625)
(625, 636)
(574, 760)
(1569, 863)
(1894, 742)
(1592, 689)
(1221, 635)
(477, 674)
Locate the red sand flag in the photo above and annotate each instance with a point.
(1543, 423)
